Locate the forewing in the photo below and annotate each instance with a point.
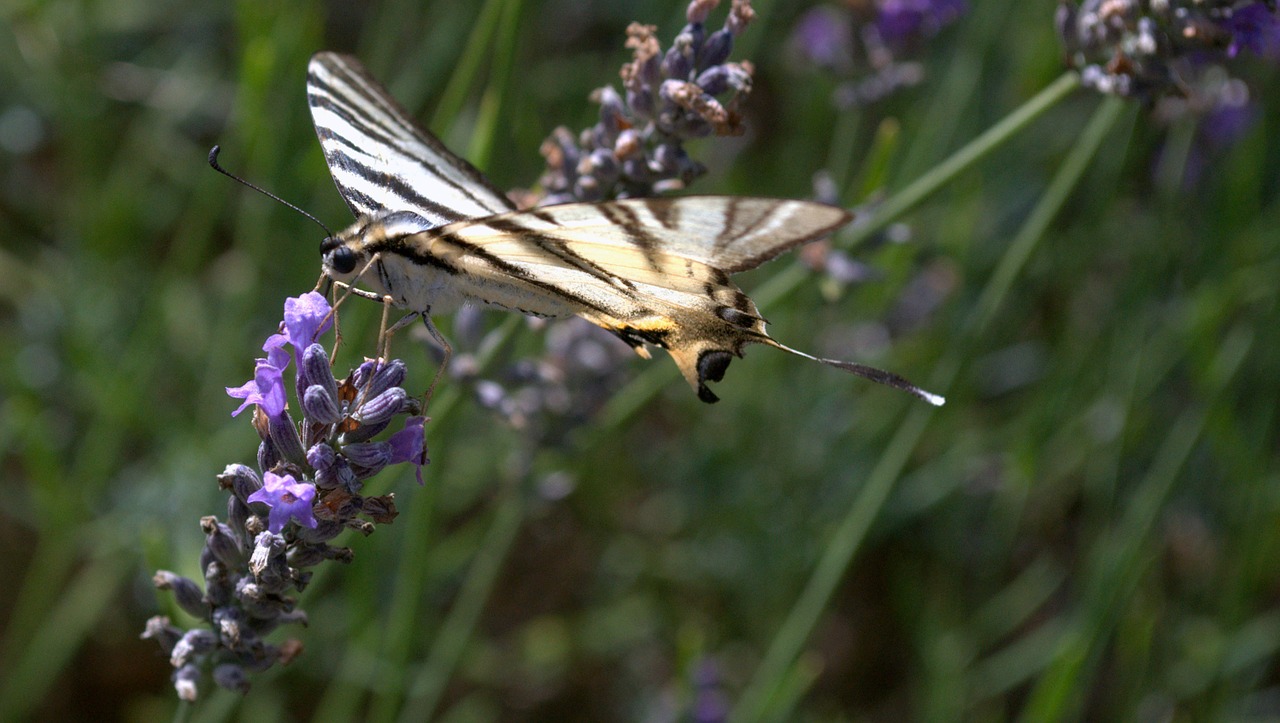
(649, 270)
(381, 159)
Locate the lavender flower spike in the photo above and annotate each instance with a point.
(636, 149)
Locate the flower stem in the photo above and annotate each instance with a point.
(757, 702)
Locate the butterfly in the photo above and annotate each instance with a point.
(434, 233)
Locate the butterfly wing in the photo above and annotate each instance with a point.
(381, 160)
(651, 271)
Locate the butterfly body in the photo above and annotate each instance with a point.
(434, 233)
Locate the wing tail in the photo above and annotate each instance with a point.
(880, 376)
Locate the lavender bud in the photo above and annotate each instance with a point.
(307, 555)
(588, 188)
(698, 10)
(217, 584)
(370, 455)
(229, 622)
(612, 115)
(604, 166)
(382, 407)
(740, 16)
(160, 629)
(320, 405)
(258, 602)
(390, 375)
(716, 50)
(241, 480)
(293, 616)
(238, 514)
(629, 145)
(650, 70)
(185, 680)
(668, 158)
(678, 62)
(360, 376)
(197, 641)
(284, 437)
(365, 432)
(714, 80)
(221, 542)
(268, 457)
(324, 531)
(641, 102)
(315, 369)
(231, 677)
(185, 591)
(321, 457)
(637, 170)
(344, 555)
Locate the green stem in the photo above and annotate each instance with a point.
(451, 641)
(848, 538)
(1019, 251)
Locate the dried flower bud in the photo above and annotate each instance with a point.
(191, 644)
(221, 542)
(241, 480)
(185, 591)
(165, 633)
(186, 683)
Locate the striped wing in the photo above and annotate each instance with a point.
(381, 159)
(649, 270)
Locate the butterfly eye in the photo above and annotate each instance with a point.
(340, 256)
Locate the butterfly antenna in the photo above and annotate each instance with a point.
(880, 376)
(213, 161)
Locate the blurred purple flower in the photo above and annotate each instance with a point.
(824, 37)
(1226, 124)
(1255, 27)
(287, 499)
(899, 20)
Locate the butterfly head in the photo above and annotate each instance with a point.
(340, 259)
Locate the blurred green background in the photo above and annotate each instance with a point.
(1089, 528)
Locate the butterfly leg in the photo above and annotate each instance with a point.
(444, 364)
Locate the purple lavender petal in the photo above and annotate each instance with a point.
(409, 445)
(286, 498)
(305, 318)
(266, 390)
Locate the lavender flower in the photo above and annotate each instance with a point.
(280, 522)
(874, 45)
(1152, 50)
(288, 499)
(637, 147)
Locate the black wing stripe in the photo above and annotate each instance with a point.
(415, 253)
(555, 247)
(626, 218)
(381, 160)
